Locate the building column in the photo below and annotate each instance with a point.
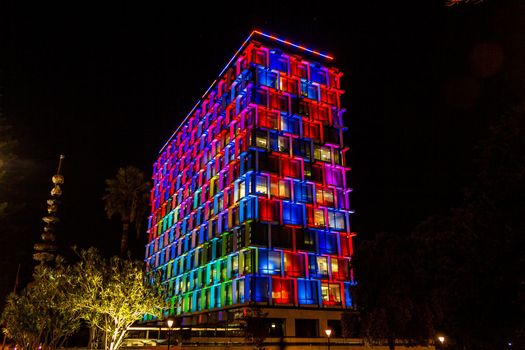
(323, 325)
(289, 327)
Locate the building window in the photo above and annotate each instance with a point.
(340, 269)
(327, 242)
(281, 237)
(318, 74)
(303, 192)
(302, 148)
(278, 61)
(306, 328)
(292, 214)
(325, 197)
(259, 235)
(309, 90)
(334, 176)
(290, 124)
(322, 153)
(267, 78)
(318, 266)
(267, 119)
(248, 260)
(268, 210)
(282, 291)
(307, 292)
(259, 57)
(305, 240)
(289, 85)
(240, 290)
(331, 293)
(336, 220)
(319, 217)
(261, 139)
(269, 262)
(260, 289)
(261, 184)
(235, 265)
(291, 167)
(280, 188)
(299, 69)
(294, 264)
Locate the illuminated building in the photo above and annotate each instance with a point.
(250, 201)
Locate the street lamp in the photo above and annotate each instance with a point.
(169, 321)
(442, 341)
(328, 333)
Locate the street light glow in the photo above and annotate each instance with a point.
(441, 339)
(170, 322)
(328, 332)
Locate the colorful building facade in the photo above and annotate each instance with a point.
(250, 201)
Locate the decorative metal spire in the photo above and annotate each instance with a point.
(45, 251)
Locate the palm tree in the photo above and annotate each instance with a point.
(127, 195)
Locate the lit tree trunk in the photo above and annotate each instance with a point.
(124, 239)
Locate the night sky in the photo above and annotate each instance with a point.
(107, 85)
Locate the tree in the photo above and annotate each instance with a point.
(110, 295)
(471, 259)
(255, 326)
(391, 303)
(351, 324)
(40, 315)
(127, 195)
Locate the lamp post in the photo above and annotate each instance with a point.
(328, 333)
(169, 321)
(442, 341)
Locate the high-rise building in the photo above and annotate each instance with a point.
(250, 197)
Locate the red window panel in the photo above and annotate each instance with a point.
(346, 245)
(259, 56)
(294, 264)
(269, 210)
(290, 85)
(312, 130)
(291, 167)
(282, 291)
(343, 274)
(310, 217)
(267, 119)
(299, 69)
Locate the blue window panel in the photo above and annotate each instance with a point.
(318, 74)
(308, 292)
(303, 192)
(267, 78)
(348, 294)
(247, 209)
(289, 124)
(270, 262)
(292, 214)
(278, 62)
(327, 242)
(185, 244)
(216, 204)
(309, 90)
(260, 289)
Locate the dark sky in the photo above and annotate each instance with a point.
(107, 85)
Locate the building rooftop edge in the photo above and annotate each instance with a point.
(243, 45)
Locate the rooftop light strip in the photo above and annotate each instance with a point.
(292, 44)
